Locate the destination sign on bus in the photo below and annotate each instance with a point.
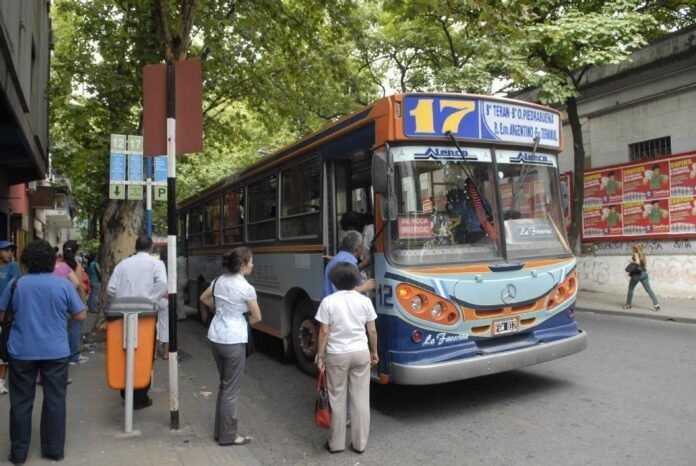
(483, 119)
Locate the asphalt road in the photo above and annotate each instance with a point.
(626, 400)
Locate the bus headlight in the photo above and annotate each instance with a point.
(416, 303)
(436, 311)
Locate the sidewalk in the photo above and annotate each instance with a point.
(672, 309)
(95, 418)
(95, 412)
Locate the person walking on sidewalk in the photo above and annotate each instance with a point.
(347, 352)
(139, 276)
(228, 333)
(38, 345)
(66, 265)
(9, 270)
(94, 272)
(640, 274)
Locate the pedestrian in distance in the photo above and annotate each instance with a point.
(66, 264)
(347, 349)
(230, 297)
(38, 345)
(163, 317)
(95, 276)
(640, 274)
(139, 276)
(9, 270)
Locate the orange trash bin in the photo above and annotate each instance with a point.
(115, 350)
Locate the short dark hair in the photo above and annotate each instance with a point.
(351, 220)
(344, 276)
(611, 173)
(236, 258)
(39, 257)
(656, 166)
(143, 243)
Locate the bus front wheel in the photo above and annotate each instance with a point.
(305, 337)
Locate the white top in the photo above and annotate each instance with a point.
(346, 312)
(232, 292)
(138, 276)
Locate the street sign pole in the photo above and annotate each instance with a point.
(171, 249)
(148, 196)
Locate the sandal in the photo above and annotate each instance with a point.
(627, 306)
(243, 440)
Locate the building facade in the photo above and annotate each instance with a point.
(639, 110)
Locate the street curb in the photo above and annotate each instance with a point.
(655, 316)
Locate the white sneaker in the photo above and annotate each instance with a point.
(80, 360)
(3, 390)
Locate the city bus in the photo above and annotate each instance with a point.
(474, 274)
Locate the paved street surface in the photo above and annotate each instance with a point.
(625, 400)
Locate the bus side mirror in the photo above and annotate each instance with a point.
(380, 179)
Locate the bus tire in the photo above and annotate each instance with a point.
(305, 337)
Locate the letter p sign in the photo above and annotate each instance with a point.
(160, 193)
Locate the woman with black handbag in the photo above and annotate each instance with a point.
(231, 296)
(637, 270)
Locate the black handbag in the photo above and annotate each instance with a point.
(633, 269)
(7, 325)
(250, 337)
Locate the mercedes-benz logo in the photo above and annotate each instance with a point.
(509, 293)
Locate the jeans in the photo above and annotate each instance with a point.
(74, 339)
(54, 376)
(93, 296)
(643, 279)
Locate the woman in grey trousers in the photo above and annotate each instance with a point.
(232, 298)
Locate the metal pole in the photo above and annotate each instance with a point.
(171, 249)
(148, 196)
(130, 333)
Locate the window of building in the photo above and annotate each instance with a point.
(233, 217)
(182, 233)
(650, 149)
(213, 220)
(262, 203)
(300, 200)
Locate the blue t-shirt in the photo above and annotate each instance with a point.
(342, 256)
(8, 272)
(39, 306)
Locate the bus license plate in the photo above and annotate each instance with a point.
(505, 326)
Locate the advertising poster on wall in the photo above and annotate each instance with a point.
(646, 217)
(683, 177)
(646, 181)
(603, 221)
(682, 214)
(656, 199)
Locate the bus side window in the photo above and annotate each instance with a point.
(299, 202)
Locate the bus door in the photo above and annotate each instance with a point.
(349, 197)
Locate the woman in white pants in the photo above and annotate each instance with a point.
(344, 352)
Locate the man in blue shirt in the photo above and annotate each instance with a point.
(9, 270)
(349, 251)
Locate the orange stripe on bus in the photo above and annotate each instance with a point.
(543, 263)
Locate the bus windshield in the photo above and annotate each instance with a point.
(447, 206)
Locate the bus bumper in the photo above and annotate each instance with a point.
(414, 374)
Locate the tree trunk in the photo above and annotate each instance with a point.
(579, 173)
(122, 222)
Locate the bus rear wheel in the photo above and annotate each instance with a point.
(305, 337)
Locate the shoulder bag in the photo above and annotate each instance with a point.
(322, 409)
(250, 336)
(633, 269)
(7, 325)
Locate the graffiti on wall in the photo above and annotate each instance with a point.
(656, 247)
(669, 275)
